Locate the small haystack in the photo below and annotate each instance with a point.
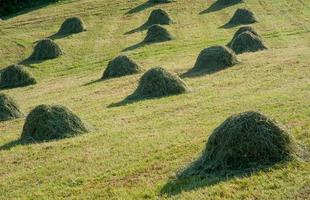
(157, 33)
(242, 30)
(242, 16)
(72, 25)
(157, 82)
(159, 16)
(247, 42)
(121, 66)
(46, 49)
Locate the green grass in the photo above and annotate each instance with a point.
(135, 150)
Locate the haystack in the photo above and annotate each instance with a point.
(215, 58)
(244, 142)
(159, 16)
(242, 30)
(121, 66)
(16, 76)
(242, 16)
(72, 25)
(247, 42)
(46, 49)
(157, 82)
(9, 109)
(157, 33)
(47, 122)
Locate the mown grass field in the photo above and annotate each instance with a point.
(134, 151)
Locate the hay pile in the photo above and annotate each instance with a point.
(121, 66)
(159, 16)
(72, 25)
(242, 16)
(52, 122)
(9, 109)
(242, 30)
(245, 141)
(157, 82)
(16, 76)
(46, 49)
(247, 42)
(215, 58)
(157, 33)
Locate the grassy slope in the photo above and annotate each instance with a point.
(136, 149)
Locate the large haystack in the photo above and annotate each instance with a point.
(9, 109)
(16, 76)
(52, 122)
(244, 142)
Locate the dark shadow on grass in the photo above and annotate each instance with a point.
(216, 6)
(29, 61)
(58, 36)
(135, 46)
(232, 25)
(184, 181)
(93, 82)
(141, 28)
(14, 143)
(141, 7)
(229, 25)
(199, 72)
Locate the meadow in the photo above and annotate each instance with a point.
(135, 150)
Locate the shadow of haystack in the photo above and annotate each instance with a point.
(135, 46)
(191, 73)
(14, 143)
(56, 36)
(216, 6)
(141, 7)
(186, 182)
(141, 28)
